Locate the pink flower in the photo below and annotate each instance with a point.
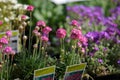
(83, 50)
(79, 44)
(1, 23)
(24, 17)
(13, 52)
(3, 41)
(44, 38)
(75, 34)
(35, 32)
(1, 46)
(30, 8)
(41, 23)
(74, 23)
(7, 50)
(8, 33)
(46, 30)
(83, 39)
(61, 33)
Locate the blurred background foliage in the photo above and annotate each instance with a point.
(54, 15)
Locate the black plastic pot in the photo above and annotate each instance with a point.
(109, 77)
(106, 77)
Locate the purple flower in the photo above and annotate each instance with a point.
(100, 60)
(118, 61)
(105, 49)
(111, 30)
(94, 36)
(96, 48)
(91, 54)
(105, 35)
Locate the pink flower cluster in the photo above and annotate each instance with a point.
(74, 23)
(83, 39)
(44, 38)
(46, 30)
(9, 33)
(61, 33)
(42, 31)
(41, 23)
(3, 41)
(75, 34)
(8, 50)
(30, 8)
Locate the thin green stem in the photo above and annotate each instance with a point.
(40, 46)
(7, 67)
(30, 33)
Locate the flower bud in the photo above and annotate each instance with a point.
(0, 66)
(43, 48)
(21, 28)
(24, 38)
(24, 24)
(35, 46)
(37, 28)
(14, 64)
(38, 34)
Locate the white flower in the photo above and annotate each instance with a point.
(13, 1)
(16, 6)
(6, 19)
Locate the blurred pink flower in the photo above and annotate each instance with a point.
(13, 52)
(1, 46)
(35, 32)
(3, 41)
(44, 38)
(41, 23)
(1, 23)
(74, 23)
(24, 17)
(46, 30)
(61, 33)
(75, 34)
(30, 8)
(79, 44)
(83, 39)
(83, 50)
(7, 50)
(8, 33)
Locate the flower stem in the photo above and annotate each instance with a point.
(30, 33)
(7, 67)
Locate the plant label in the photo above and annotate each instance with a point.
(74, 72)
(47, 73)
(14, 40)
